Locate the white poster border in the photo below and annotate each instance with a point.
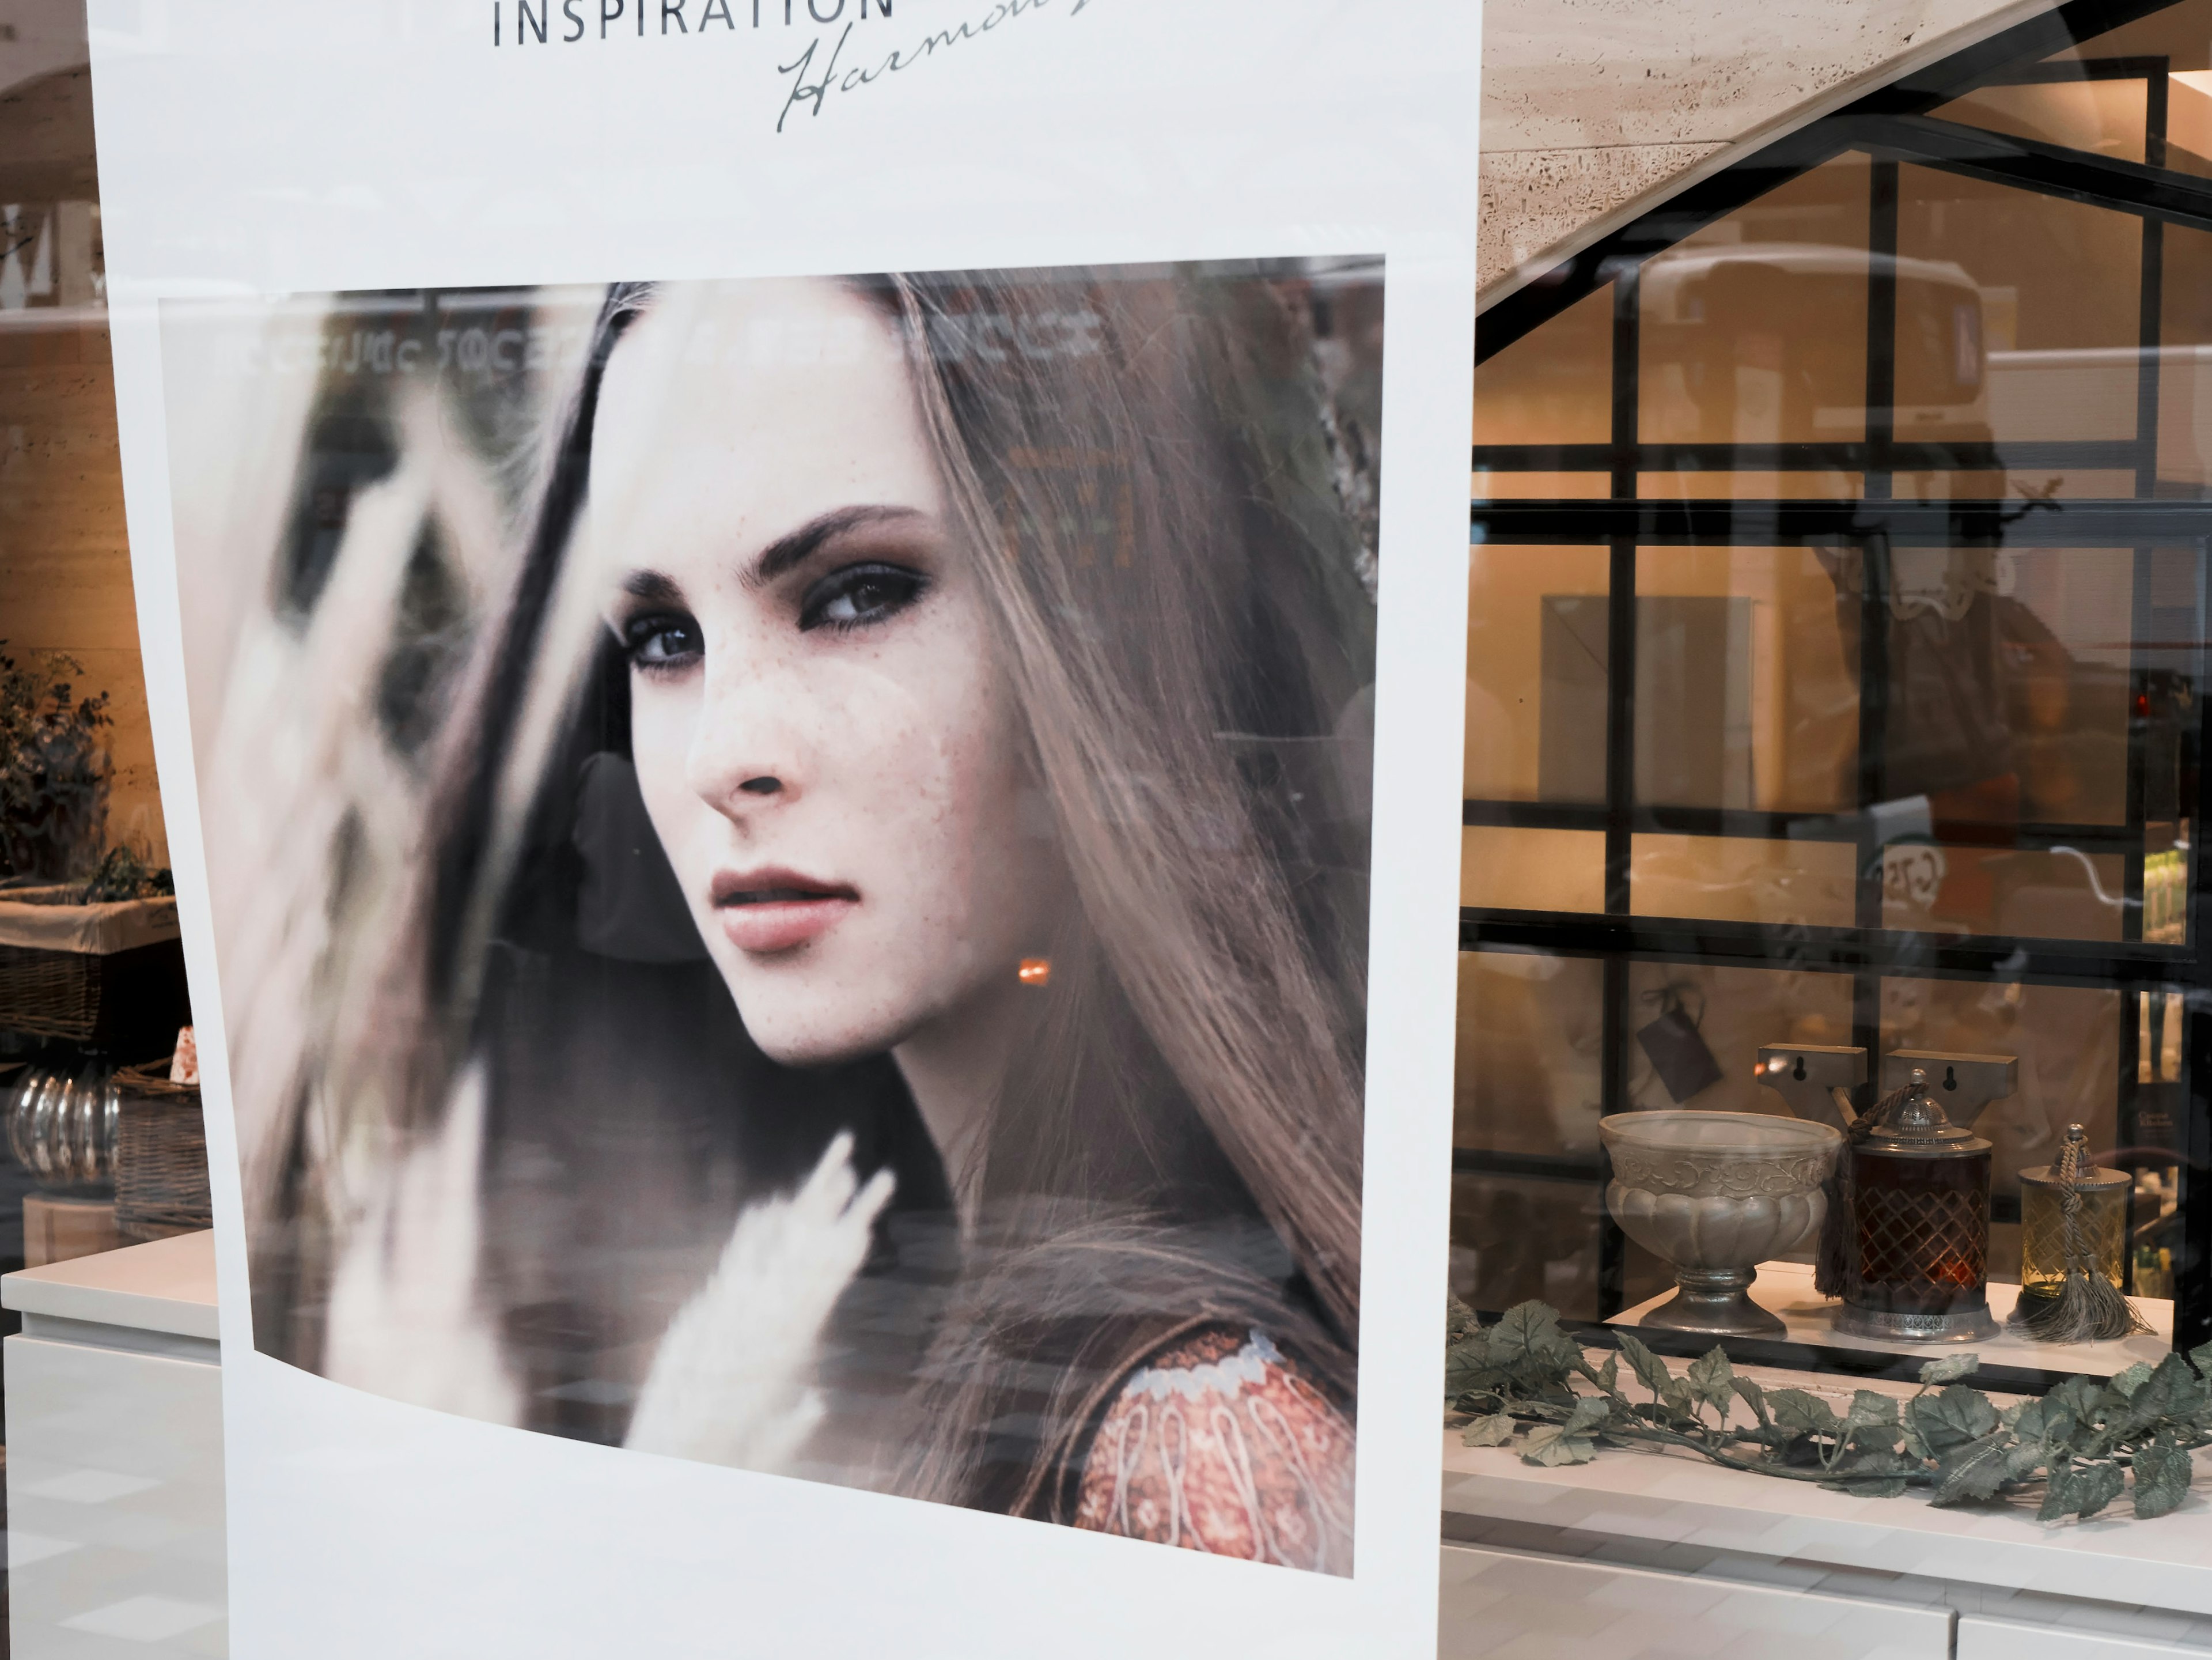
(247, 151)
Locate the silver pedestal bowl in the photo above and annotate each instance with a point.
(1715, 1194)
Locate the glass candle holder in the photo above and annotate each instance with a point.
(1918, 1238)
(2103, 1226)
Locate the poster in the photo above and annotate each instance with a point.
(806, 661)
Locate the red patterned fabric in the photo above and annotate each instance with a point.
(1224, 1443)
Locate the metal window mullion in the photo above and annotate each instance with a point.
(2135, 1005)
(1619, 749)
(1882, 190)
(2192, 1289)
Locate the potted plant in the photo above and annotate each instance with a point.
(54, 771)
(89, 952)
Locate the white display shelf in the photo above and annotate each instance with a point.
(1785, 1290)
(1664, 1511)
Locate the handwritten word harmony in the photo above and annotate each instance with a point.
(813, 94)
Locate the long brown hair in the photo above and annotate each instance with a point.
(1139, 464)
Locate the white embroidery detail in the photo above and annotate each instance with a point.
(1226, 1377)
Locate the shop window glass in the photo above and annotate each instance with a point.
(1507, 484)
(1690, 486)
(1747, 696)
(1753, 329)
(2105, 116)
(2066, 1037)
(1909, 759)
(1529, 1054)
(2019, 316)
(1528, 1205)
(1536, 673)
(2185, 359)
(1740, 878)
(1729, 1014)
(1553, 388)
(1516, 867)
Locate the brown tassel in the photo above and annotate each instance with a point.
(2089, 1308)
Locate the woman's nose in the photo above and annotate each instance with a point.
(742, 754)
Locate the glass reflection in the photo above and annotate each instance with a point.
(1919, 618)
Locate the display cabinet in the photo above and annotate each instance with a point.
(1837, 631)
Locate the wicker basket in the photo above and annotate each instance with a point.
(110, 975)
(160, 1156)
(51, 993)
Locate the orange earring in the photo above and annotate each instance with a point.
(1034, 971)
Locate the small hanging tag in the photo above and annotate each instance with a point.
(1678, 1055)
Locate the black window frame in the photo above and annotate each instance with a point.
(1893, 126)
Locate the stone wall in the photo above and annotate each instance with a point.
(1592, 109)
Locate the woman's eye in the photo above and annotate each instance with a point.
(859, 595)
(661, 642)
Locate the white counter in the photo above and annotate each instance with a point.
(2110, 1586)
(167, 1287)
(115, 1494)
(116, 1525)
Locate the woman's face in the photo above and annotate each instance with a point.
(825, 738)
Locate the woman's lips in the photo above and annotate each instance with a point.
(767, 911)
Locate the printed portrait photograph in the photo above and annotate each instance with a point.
(790, 866)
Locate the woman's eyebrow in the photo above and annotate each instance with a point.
(789, 552)
(653, 587)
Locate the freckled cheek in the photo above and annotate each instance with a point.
(928, 757)
(886, 748)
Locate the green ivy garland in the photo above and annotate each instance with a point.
(1525, 1383)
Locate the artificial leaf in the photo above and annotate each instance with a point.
(2201, 1358)
(1799, 1451)
(1590, 1411)
(1975, 1471)
(1948, 1370)
(1754, 1397)
(2079, 1397)
(2081, 1437)
(1494, 1430)
(2058, 1497)
(1466, 1365)
(1952, 1418)
(2095, 1486)
(1872, 1422)
(2171, 1391)
(1607, 1377)
(1551, 1446)
(1872, 1409)
(2162, 1472)
(1808, 1414)
(2023, 1459)
(1650, 1371)
(1528, 1338)
(1709, 1377)
(1460, 1320)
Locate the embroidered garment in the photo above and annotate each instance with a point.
(1224, 1443)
